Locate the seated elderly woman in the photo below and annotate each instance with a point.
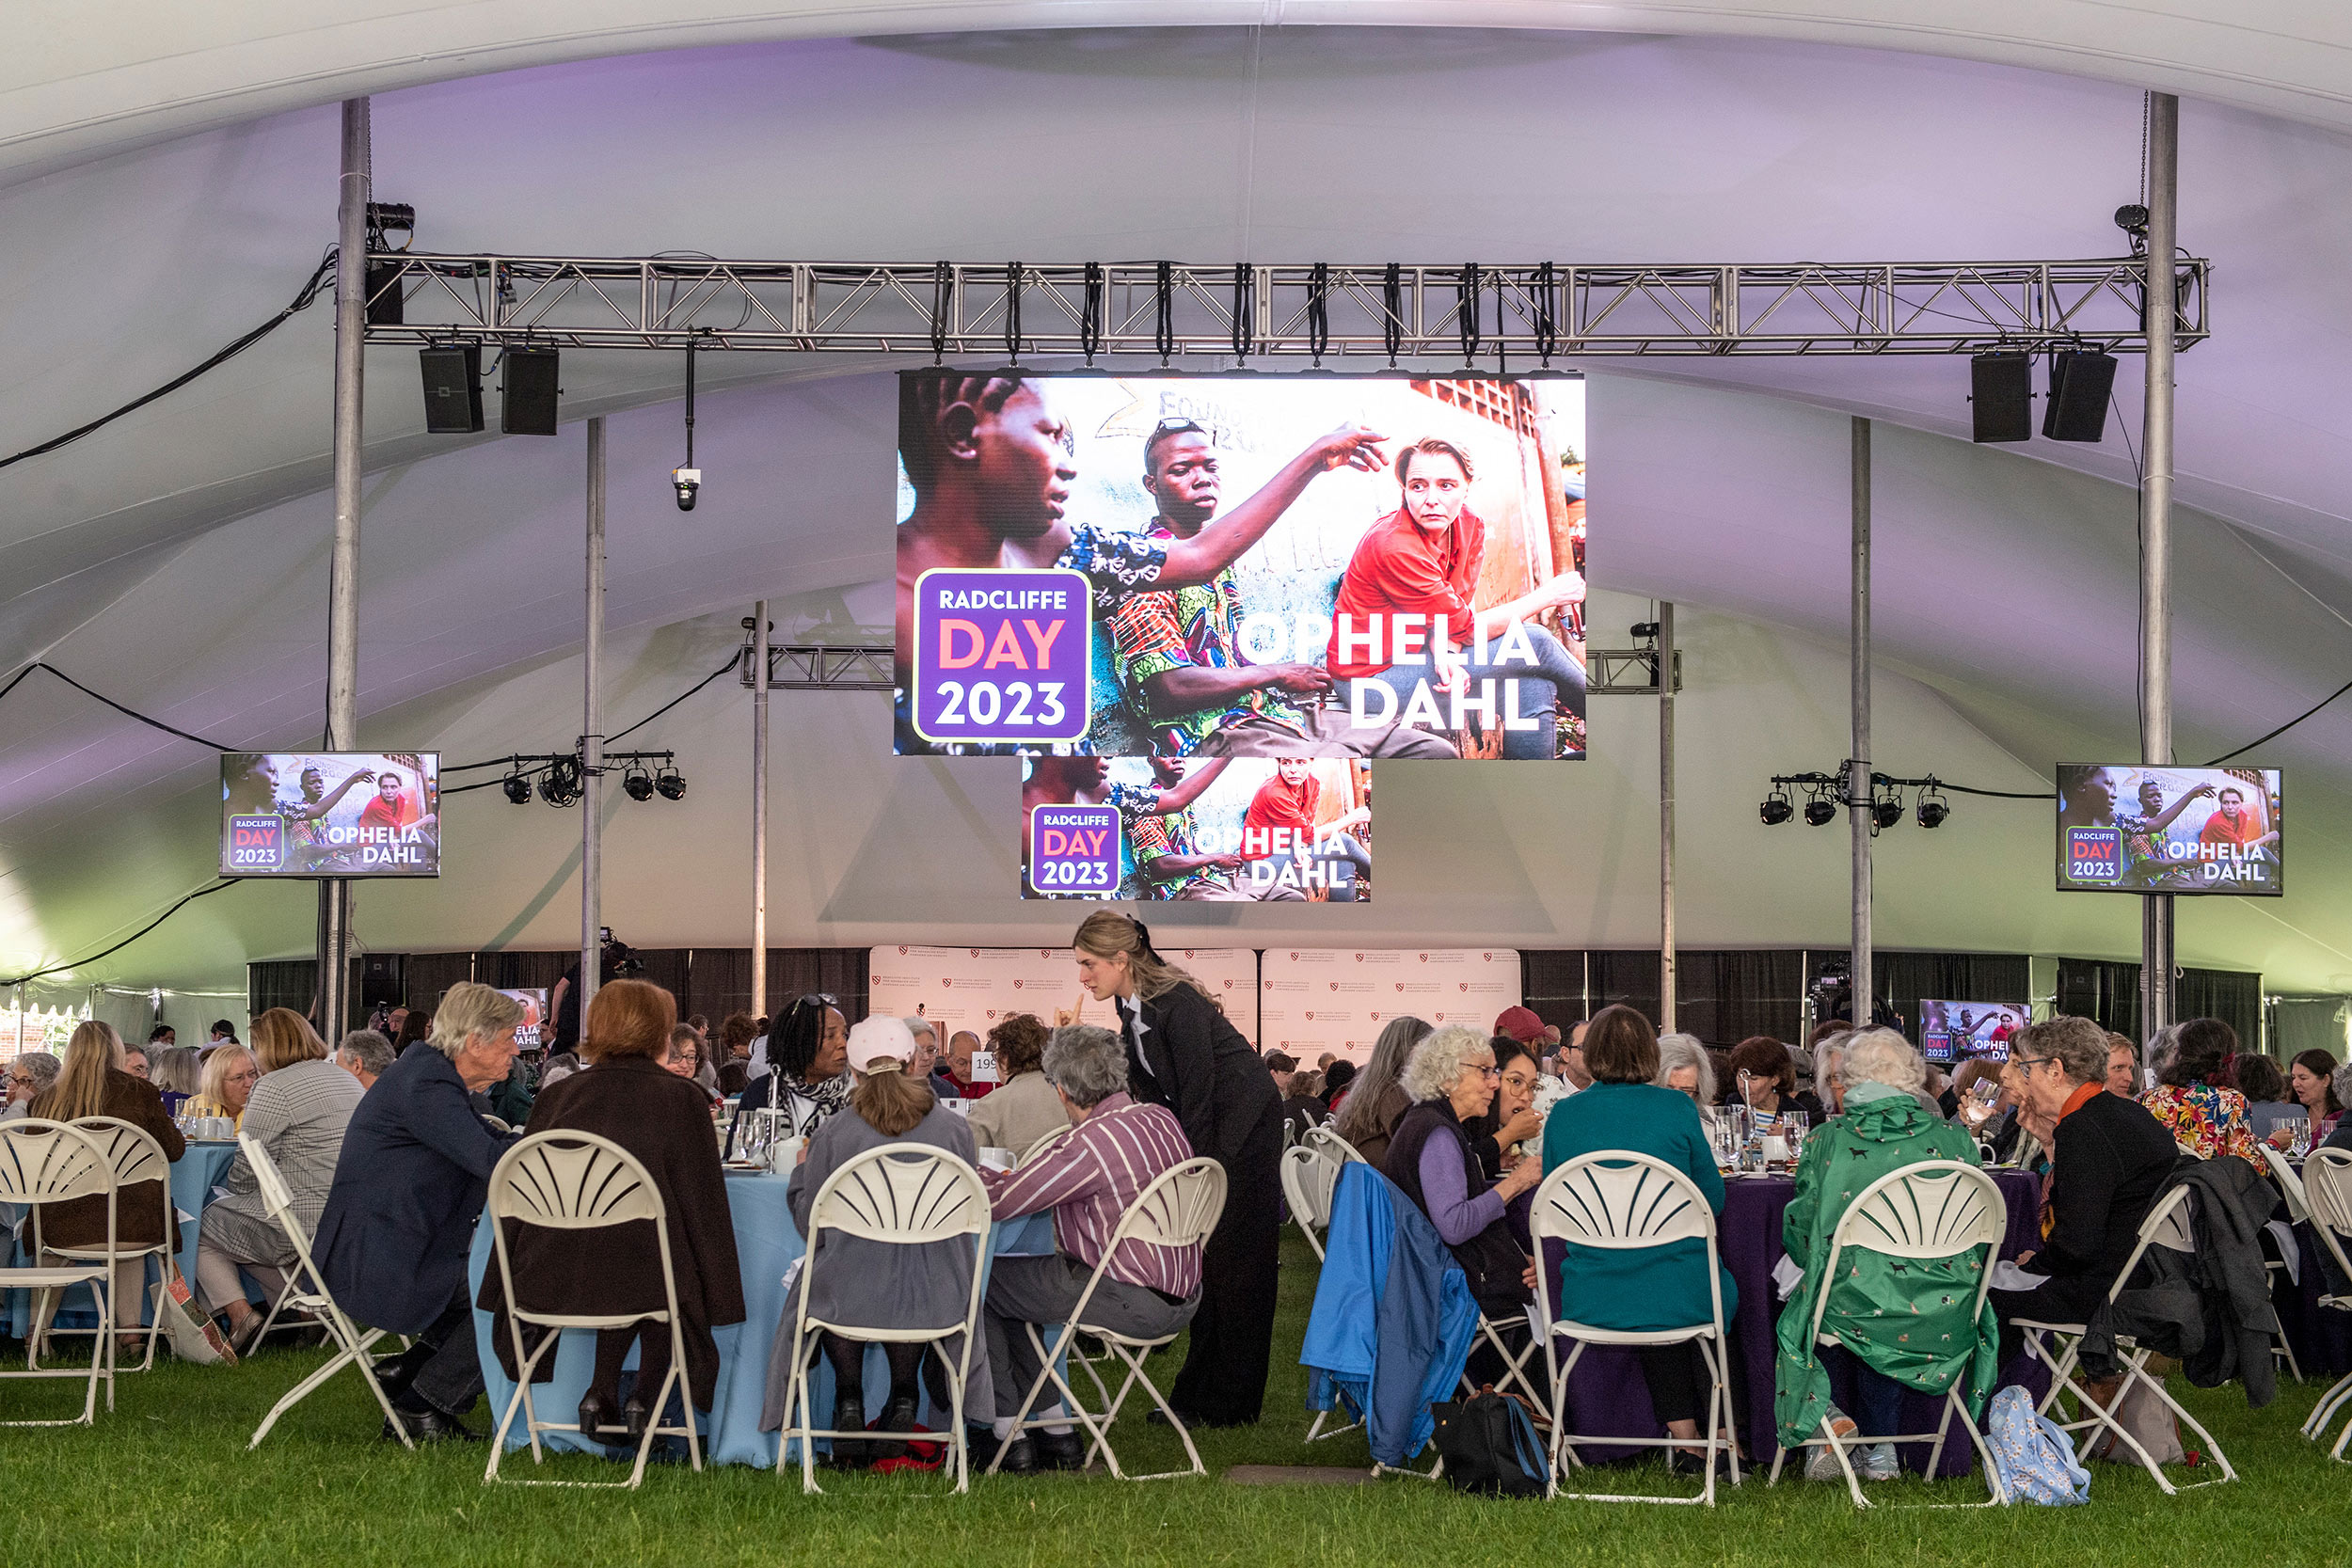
(408, 1188)
(297, 1115)
(2108, 1160)
(93, 1084)
(2204, 1118)
(1451, 1077)
(1376, 1101)
(1655, 1288)
(230, 1074)
(806, 1076)
(876, 1284)
(1762, 1068)
(1117, 1147)
(1686, 1066)
(1877, 1305)
(1025, 1107)
(178, 1075)
(634, 1098)
(684, 1058)
(29, 1076)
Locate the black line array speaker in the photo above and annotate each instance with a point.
(387, 305)
(2000, 395)
(2080, 382)
(453, 388)
(527, 405)
(382, 979)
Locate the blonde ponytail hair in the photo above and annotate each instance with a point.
(1108, 934)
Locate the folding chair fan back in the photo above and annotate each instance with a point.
(2299, 1206)
(1620, 1200)
(1178, 1210)
(572, 1182)
(1309, 1181)
(1326, 1138)
(132, 1151)
(1041, 1144)
(52, 1161)
(49, 1162)
(2328, 1189)
(135, 1157)
(906, 1193)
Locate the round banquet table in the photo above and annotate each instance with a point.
(767, 1245)
(193, 1176)
(1607, 1395)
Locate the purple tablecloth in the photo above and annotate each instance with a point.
(1608, 1396)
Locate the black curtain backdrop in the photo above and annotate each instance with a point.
(2231, 995)
(1725, 997)
(1903, 978)
(1627, 978)
(428, 978)
(1552, 981)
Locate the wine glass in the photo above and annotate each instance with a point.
(2301, 1127)
(1794, 1126)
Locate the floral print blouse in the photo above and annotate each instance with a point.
(2205, 1120)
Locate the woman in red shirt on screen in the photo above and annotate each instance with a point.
(1423, 559)
(1287, 804)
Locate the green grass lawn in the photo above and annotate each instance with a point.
(166, 1478)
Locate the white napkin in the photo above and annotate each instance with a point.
(1787, 1277)
(2289, 1248)
(2006, 1275)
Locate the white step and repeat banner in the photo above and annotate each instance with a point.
(972, 987)
(1315, 1000)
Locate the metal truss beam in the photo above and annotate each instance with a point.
(1519, 316)
(816, 667)
(1626, 672)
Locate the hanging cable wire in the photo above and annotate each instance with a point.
(303, 300)
(1319, 311)
(1012, 312)
(77, 963)
(1164, 314)
(1392, 310)
(1244, 310)
(126, 712)
(1091, 313)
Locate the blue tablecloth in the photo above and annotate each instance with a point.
(766, 1244)
(193, 1177)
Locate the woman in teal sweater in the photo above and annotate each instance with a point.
(1657, 1288)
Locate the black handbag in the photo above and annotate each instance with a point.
(1489, 1447)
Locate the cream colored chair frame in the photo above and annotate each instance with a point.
(351, 1345)
(1927, 1212)
(2327, 1193)
(573, 1180)
(1178, 1210)
(136, 1158)
(1310, 1176)
(2166, 1225)
(904, 1195)
(45, 1161)
(1621, 1201)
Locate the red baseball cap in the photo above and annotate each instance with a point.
(1522, 1024)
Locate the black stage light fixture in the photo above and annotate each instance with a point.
(380, 285)
(1645, 631)
(1887, 810)
(527, 395)
(2000, 396)
(1933, 808)
(670, 782)
(453, 388)
(560, 785)
(1820, 811)
(518, 787)
(638, 782)
(1777, 808)
(2076, 408)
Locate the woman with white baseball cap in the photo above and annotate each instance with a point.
(878, 1284)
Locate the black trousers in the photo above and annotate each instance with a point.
(1223, 1380)
(1678, 1382)
(448, 1369)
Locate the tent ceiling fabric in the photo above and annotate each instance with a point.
(90, 78)
(177, 559)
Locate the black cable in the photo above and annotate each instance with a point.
(943, 292)
(2284, 728)
(302, 301)
(1470, 316)
(56, 969)
(493, 783)
(1392, 309)
(1091, 313)
(128, 713)
(1244, 310)
(1012, 312)
(1546, 316)
(679, 698)
(1164, 313)
(1319, 311)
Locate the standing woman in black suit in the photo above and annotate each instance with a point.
(1182, 1053)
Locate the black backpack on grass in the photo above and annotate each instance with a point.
(1490, 1447)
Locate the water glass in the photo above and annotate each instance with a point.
(1794, 1126)
(2300, 1130)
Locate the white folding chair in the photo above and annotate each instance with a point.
(2167, 1227)
(1041, 1146)
(53, 1162)
(1178, 1210)
(903, 1195)
(1309, 1179)
(2298, 1213)
(1326, 1138)
(1620, 1201)
(136, 1157)
(1927, 1212)
(570, 1180)
(2326, 1188)
(306, 1290)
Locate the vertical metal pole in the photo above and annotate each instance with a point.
(1665, 817)
(592, 733)
(2155, 528)
(1858, 767)
(342, 580)
(760, 809)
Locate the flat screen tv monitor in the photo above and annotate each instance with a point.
(330, 814)
(1956, 1031)
(2126, 827)
(1072, 547)
(532, 1031)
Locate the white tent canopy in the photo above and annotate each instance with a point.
(177, 559)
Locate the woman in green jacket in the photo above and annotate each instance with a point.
(1655, 1288)
(1905, 1321)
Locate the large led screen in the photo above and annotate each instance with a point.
(330, 814)
(1241, 565)
(2134, 829)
